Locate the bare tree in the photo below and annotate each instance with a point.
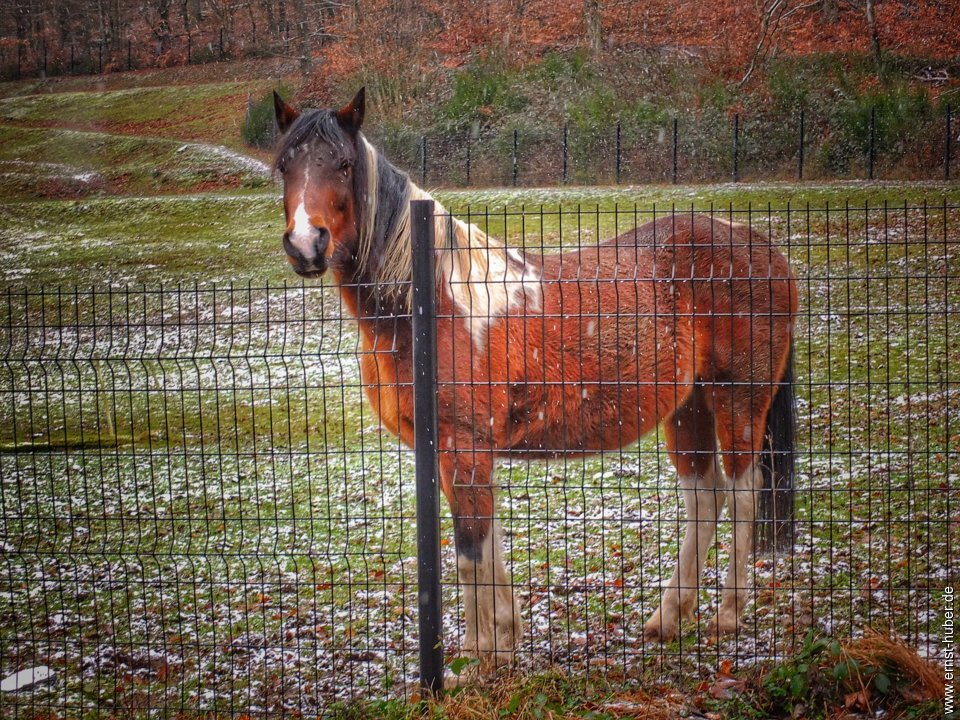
(593, 23)
(828, 12)
(772, 15)
(303, 36)
(874, 37)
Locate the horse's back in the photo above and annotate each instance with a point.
(683, 246)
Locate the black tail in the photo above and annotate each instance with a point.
(774, 527)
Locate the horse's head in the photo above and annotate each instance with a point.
(317, 159)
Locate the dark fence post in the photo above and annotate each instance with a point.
(468, 159)
(736, 147)
(129, 55)
(221, 44)
(618, 152)
(873, 138)
(676, 141)
(71, 59)
(515, 141)
(44, 57)
(100, 58)
(800, 161)
(946, 146)
(189, 49)
(565, 151)
(423, 160)
(425, 445)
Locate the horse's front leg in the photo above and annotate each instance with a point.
(703, 497)
(742, 504)
(493, 626)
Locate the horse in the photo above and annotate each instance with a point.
(685, 322)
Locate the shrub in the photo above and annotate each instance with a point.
(259, 127)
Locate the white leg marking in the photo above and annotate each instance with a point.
(703, 501)
(491, 610)
(743, 503)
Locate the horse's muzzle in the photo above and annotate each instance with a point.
(311, 264)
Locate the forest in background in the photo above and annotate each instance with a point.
(472, 73)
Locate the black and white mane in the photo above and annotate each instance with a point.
(484, 277)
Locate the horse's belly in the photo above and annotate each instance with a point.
(582, 418)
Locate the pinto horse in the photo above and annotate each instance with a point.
(685, 322)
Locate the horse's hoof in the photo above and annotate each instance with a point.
(658, 632)
(493, 661)
(467, 676)
(719, 627)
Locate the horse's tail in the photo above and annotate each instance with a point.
(774, 527)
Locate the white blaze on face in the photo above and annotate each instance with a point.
(303, 234)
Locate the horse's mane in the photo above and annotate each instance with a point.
(483, 277)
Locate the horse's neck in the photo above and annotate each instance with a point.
(380, 325)
(478, 273)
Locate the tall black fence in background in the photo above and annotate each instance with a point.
(676, 150)
(200, 514)
(696, 148)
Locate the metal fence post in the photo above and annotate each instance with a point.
(565, 151)
(468, 160)
(189, 49)
(873, 139)
(423, 160)
(676, 141)
(425, 445)
(800, 161)
(618, 152)
(736, 147)
(129, 55)
(516, 134)
(946, 146)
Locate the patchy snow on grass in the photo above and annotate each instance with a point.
(205, 515)
(229, 157)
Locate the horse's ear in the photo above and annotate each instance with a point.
(350, 116)
(285, 113)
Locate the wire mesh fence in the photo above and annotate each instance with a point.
(697, 147)
(202, 514)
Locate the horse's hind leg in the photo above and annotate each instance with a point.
(741, 414)
(491, 612)
(691, 441)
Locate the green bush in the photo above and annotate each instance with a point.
(259, 127)
(898, 113)
(484, 89)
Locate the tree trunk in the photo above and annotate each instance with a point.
(874, 38)
(593, 24)
(828, 12)
(303, 36)
(267, 6)
(282, 23)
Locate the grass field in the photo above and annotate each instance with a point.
(200, 512)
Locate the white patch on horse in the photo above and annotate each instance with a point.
(303, 233)
(728, 223)
(485, 279)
